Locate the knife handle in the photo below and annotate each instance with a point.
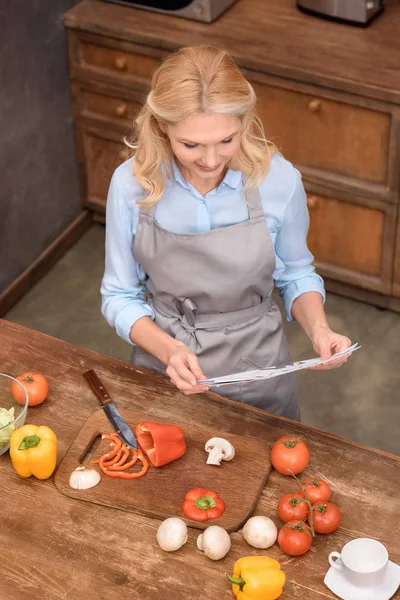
(97, 387)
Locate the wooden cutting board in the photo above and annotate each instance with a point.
(161, 491)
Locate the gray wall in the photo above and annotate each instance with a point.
(39, 191)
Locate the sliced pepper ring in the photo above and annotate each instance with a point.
(116, 445)
(122, 459)
(121, 474)
(127, 465)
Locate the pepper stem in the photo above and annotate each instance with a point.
(236, 580)
(205, 502)
(29, 442)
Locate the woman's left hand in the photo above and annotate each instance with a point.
(327, 343)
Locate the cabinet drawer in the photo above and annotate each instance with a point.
(116, 64)
(102, 156)
(396, 280)
(93, 104)
(324, 134)
(351, 243)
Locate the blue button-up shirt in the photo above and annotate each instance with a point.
(182, 209)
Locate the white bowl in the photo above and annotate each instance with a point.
(7, 401)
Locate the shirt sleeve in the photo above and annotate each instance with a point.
(294, 274)
(121, 290)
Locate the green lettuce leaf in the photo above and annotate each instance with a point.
(6, 418)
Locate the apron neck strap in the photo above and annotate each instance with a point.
(148, 210)
(253, 201)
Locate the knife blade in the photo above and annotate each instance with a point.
(118, 422)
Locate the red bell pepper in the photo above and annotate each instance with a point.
(201, 505)
(161, 443)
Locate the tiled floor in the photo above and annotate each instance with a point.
(360, 401)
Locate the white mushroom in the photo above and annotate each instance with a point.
(214, 542)
(260, 532)
(172, 534)
(219, 449)
(83, 479)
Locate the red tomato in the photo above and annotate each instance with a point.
(295, 538)
(290, 455)
(35, 384)
(292, 506)
(316, 490)
(326, 517)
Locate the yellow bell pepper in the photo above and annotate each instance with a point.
(33, 451)
(257, 578)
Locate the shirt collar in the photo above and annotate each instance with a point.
(232, 178)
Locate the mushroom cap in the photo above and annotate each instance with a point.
(172, 534)
(226, 447)
(215, 542)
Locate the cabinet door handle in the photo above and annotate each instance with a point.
(315, 105)
(312, 202)
(121, 110)
(120, 63)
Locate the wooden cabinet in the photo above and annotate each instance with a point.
(114, 61)
(121, 111)
(396, 279)
(333, 114)
(106, 59)
(102, 157)
(315, 131)
(352, 243)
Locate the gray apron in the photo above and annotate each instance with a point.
(212, 291)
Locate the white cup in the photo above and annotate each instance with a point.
(362, 561)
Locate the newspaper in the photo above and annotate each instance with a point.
(270, 372)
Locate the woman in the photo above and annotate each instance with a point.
(202, 222)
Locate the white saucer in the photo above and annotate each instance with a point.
(337, 583)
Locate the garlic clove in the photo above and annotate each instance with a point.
(84, 479)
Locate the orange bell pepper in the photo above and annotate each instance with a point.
(161, 443)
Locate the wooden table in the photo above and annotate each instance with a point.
(54, 547)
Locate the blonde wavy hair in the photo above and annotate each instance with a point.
(196, 79)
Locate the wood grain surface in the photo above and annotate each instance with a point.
(269, 36)
(54, 547)
(161, 491)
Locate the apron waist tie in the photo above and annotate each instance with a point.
(192, 320)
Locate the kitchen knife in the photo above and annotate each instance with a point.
(123, 430)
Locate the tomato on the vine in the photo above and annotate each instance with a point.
(316, 490)
(295, 538)
(36, 386)
(290, 455)
(326, 517)
(292, 506)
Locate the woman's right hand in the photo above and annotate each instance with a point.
(184, 370)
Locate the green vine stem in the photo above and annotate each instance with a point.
(307, 499)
